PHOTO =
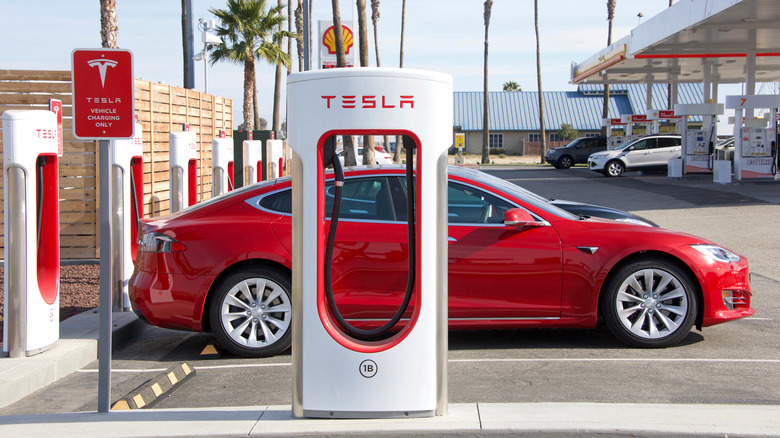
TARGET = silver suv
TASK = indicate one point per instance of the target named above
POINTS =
(651, 152)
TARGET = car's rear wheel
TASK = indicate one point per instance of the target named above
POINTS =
(565, 162)
(650, 304)
(614, 168)
(251, 312)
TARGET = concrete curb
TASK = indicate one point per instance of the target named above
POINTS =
(77, 347)
(146, 395)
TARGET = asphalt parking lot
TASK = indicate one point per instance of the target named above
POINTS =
(734, 363)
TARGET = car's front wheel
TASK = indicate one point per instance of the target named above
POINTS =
(251, 312)
(649, 303)
(614, 168)
(565, 162)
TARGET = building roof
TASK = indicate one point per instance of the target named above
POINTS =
(519, 110)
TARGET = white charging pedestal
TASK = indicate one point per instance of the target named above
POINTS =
(274, 155)
(334, 374)
(184, 169)
(222, 159)
(253, 161)
(127, 198)
(32, 232)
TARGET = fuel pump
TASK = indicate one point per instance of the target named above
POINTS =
(32, 232)
(127, 198)
(253, 161)
(274, 154)
(615, 132)
(184, 169)
(222, 161)
(396, 368)
(698, 148)
(755, 140)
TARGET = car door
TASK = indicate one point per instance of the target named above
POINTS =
(499, 272)
(668, 148)
(639, 153)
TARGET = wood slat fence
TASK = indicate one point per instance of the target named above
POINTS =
(161, 109)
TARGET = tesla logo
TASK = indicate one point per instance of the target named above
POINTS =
(354, 101)
(102, 65)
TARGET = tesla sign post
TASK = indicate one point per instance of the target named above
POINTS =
(103, 110)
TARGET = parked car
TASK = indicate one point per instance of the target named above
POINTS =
(380, 155)
(224, 265)
(651, 152)
(724, 150)
(576, 152)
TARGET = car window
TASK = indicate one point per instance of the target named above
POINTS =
(666, 142)
(640, 145)
(652, 143)
(280, 202)
(468, 205)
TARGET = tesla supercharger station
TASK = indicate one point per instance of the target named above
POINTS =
(274, 153)
(755, 140)
(222, 160)
(184, 169)
(127, 197)
(338, 374)
(32, 232)
(253, 161)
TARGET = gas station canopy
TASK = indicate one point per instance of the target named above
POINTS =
(691, 40)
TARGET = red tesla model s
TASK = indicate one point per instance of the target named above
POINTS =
(224, 265)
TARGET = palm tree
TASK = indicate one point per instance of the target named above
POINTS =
(278, 76)
(108, 29)
(399, 141)
(539, 81)
(512, 86)
(485, 118)
(368, 140)
(375, 20)
(299, 31)
(249, 32)
(610, 17)
(341, 61)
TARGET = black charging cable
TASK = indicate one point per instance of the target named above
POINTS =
(370, 334)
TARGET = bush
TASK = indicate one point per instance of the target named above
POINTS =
(497, 151)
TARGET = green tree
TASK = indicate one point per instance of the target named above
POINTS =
(350, 158)
(567, 132)
(250, 32)
(512, 86)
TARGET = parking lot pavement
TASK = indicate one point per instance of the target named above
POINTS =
(731, 368)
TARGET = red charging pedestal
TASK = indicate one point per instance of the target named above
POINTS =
(184, 169)
(32, 232)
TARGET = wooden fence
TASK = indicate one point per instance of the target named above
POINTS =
(161, 109)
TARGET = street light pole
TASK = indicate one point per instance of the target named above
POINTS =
(209, 39)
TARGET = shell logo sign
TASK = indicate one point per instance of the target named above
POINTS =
(329, 40)
(327, 43)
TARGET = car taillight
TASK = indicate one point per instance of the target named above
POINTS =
(159, 242)
(736, 299)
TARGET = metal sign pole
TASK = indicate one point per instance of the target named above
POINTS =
(106, 280)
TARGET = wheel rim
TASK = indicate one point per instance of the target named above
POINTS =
(256, 312)
(651, 303)
(566, 162)
(614, 169)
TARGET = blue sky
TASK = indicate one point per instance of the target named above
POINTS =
(441, 35)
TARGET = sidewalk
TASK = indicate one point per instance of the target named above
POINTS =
(532, 419)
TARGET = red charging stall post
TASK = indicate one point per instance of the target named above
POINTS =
(184, 169)
(32, 232)
(127, 197)
(253, 161)
(222, 160)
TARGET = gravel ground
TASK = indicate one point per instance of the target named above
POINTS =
(79, 290)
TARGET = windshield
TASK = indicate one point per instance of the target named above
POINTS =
(511, 189)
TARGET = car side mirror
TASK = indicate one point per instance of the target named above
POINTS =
(518, 217)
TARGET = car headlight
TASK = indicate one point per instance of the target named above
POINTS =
(717, 253)
(597, 156)
(631, 220)
(159, 242)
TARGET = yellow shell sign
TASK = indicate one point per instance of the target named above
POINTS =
(329, 40)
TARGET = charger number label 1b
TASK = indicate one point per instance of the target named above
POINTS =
(368, 369)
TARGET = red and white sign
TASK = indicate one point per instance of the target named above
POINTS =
(616, 122)
(103, 106)
(639, 118)
(667, 115)
(55, 106)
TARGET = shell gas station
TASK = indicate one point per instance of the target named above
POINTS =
(710, 42)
